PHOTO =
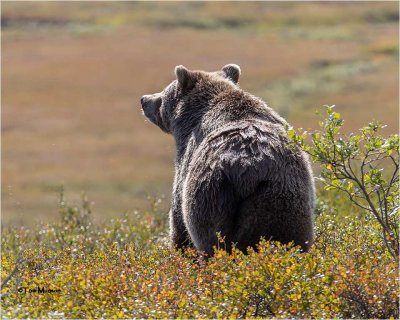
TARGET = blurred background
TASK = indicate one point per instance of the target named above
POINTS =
(73, 72)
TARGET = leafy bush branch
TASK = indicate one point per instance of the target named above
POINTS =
(365, 166)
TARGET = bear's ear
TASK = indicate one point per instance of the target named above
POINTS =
(232, 72)
(184, 76)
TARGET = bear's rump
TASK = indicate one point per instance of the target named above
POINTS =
(283, 216)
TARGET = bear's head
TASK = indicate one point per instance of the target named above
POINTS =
(189, 94)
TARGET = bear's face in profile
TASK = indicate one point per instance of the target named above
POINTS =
(164, 107)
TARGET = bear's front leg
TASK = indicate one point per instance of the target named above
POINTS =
(178, 233)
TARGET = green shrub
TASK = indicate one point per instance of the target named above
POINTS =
(364, 166)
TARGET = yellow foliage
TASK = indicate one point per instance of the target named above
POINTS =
(122, 270)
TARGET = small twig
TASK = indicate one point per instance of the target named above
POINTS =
(15, 270)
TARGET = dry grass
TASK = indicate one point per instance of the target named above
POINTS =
(73, 73)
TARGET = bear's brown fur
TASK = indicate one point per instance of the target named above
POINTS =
(236, 172)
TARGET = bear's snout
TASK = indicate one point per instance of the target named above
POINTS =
(151, 106)
(143, 100)
(147, 104)
(150, 100)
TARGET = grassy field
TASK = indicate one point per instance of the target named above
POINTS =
(73, 73)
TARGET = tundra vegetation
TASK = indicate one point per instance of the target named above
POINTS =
(123, 268)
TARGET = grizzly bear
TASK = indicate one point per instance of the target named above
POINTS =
(237, 174)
